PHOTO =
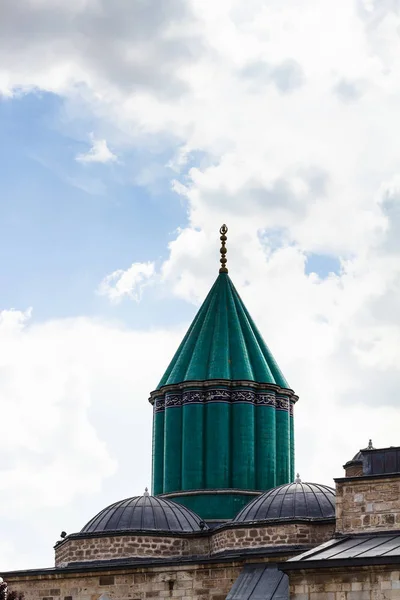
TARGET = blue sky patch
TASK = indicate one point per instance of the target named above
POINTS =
(322, 264)
(65, 225)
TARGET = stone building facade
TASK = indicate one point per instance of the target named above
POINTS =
(196, 563)
(346, 583)
(197, 582)
(370, 503)
(362, 560)
(352, 553)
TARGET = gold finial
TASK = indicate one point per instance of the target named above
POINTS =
(223, 231)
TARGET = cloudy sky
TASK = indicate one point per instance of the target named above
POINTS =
(129, 132)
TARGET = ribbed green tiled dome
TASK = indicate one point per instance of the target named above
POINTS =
(223, 425)
(223, 343)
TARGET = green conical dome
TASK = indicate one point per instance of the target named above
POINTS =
(223, 412)
(223, 343)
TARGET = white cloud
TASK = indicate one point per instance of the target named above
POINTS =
(13, 320)
(45, 400)
(301, 145)
(130, 282)
(305, 163)
(76, 425)
(98, 153)
(108, 48)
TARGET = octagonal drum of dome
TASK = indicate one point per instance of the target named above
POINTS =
(306, 501)
(145, 513)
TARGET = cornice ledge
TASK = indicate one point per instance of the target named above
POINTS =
(225, 383)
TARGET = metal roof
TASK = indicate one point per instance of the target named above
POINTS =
(223, 342)
(381, 461)
(291, 501)
(145, 513)
(357, 549)
(118, 564)
(260, 582)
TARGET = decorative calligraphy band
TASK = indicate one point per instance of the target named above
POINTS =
(171, 399)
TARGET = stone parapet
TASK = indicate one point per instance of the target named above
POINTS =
(369, 503)
(267, 534)
(82, 549)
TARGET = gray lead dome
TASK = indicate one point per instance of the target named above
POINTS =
(145, 513)
(309, 501)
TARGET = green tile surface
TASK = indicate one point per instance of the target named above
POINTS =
(223, 343)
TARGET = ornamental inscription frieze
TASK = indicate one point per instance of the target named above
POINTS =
(159, 404)
(194, 397)
(266, 399)
(201, 396)
(173, 400)
(243, 396)
(282, 403)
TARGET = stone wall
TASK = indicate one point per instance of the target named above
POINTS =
(367, 583)
(204, 545)
(197, 582)
(367, 504)
(268, 535)
(125, 546)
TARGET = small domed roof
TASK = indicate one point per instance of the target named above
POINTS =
(145, 513)
(358, 458)
(291, 501)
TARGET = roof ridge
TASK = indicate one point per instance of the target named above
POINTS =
(285, 493)
(324, 489)
(270, 360)
(203, 339)
(273, 492)
(177, 509)
(221, 331)
(186, 339)
(235, 330)
(248, 332)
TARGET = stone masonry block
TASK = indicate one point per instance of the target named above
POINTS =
(359, 595)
